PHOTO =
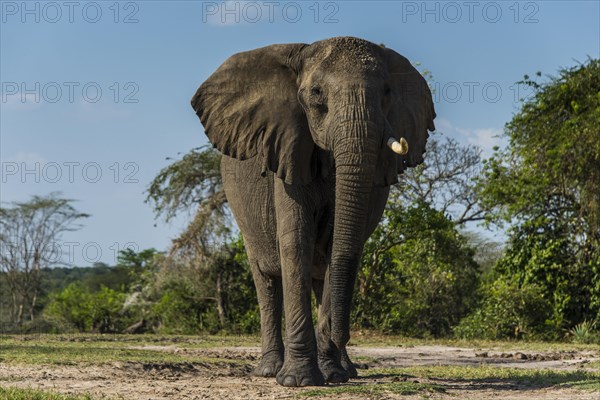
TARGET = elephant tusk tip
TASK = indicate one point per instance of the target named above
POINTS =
(398, 147)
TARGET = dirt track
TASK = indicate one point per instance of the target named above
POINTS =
(232, 380)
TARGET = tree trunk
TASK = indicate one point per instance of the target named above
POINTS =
(220, 302)
(20, 315)
(32, 306)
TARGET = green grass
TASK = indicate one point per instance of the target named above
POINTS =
(362, 338)
(428, 380)
(369, 339)
(32, 394)
(593, 385)
(534, 378)
(400, 388)
(53, 350)
(200, 341)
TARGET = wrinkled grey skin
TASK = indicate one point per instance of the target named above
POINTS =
(307, 174)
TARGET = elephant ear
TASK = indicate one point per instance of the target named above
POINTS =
(249, 108)
(410, 116)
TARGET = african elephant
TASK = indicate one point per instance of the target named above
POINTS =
(306, 132)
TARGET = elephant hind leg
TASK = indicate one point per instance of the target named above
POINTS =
(270, 298)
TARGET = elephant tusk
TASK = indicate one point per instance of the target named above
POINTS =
(398, 147)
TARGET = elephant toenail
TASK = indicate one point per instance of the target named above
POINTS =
(289, 381)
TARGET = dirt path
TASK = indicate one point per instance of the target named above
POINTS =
(232, 380)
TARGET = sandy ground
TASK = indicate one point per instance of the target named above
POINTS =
(229, 380)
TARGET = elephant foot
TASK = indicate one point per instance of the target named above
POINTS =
(348, 365)
(300, 373)
(269, 365)
(333, 371)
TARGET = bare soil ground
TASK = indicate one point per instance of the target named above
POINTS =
(232, 379)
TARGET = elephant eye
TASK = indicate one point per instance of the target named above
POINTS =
(387, 90)
(317, 99)
(316, 91)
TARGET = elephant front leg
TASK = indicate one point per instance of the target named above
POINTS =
(270, 298)
(300, 367)
(335, 364)
(348, 365)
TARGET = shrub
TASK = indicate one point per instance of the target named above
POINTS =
(508, 311)
(583, 333)
(214, 293)
(76, 306)
(418, 276)
(180, 310)
(73, 306)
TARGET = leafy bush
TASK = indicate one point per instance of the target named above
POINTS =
(107, 306)
(182, 309)
(86, 311)
(73, 305)
(211, 294)
(418, 275)
(508, 311)
(541, 253)
(244, 313)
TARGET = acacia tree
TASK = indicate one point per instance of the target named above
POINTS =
(545, 186)
(206, 249)
(29, 235)
(193, 183)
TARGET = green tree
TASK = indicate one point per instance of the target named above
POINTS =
(137, 268)
(139, 272)
(545, 186)
(29, 235)
(193, 182)
(418, 275)
(215, 295)
(205, 269)
(129, 258)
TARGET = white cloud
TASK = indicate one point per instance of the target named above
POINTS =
(20, 101)
(484, 138)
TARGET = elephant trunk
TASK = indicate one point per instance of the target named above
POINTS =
(355, 161)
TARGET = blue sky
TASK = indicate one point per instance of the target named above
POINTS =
(95, 95)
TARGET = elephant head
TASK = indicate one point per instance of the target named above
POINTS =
(344, 95)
